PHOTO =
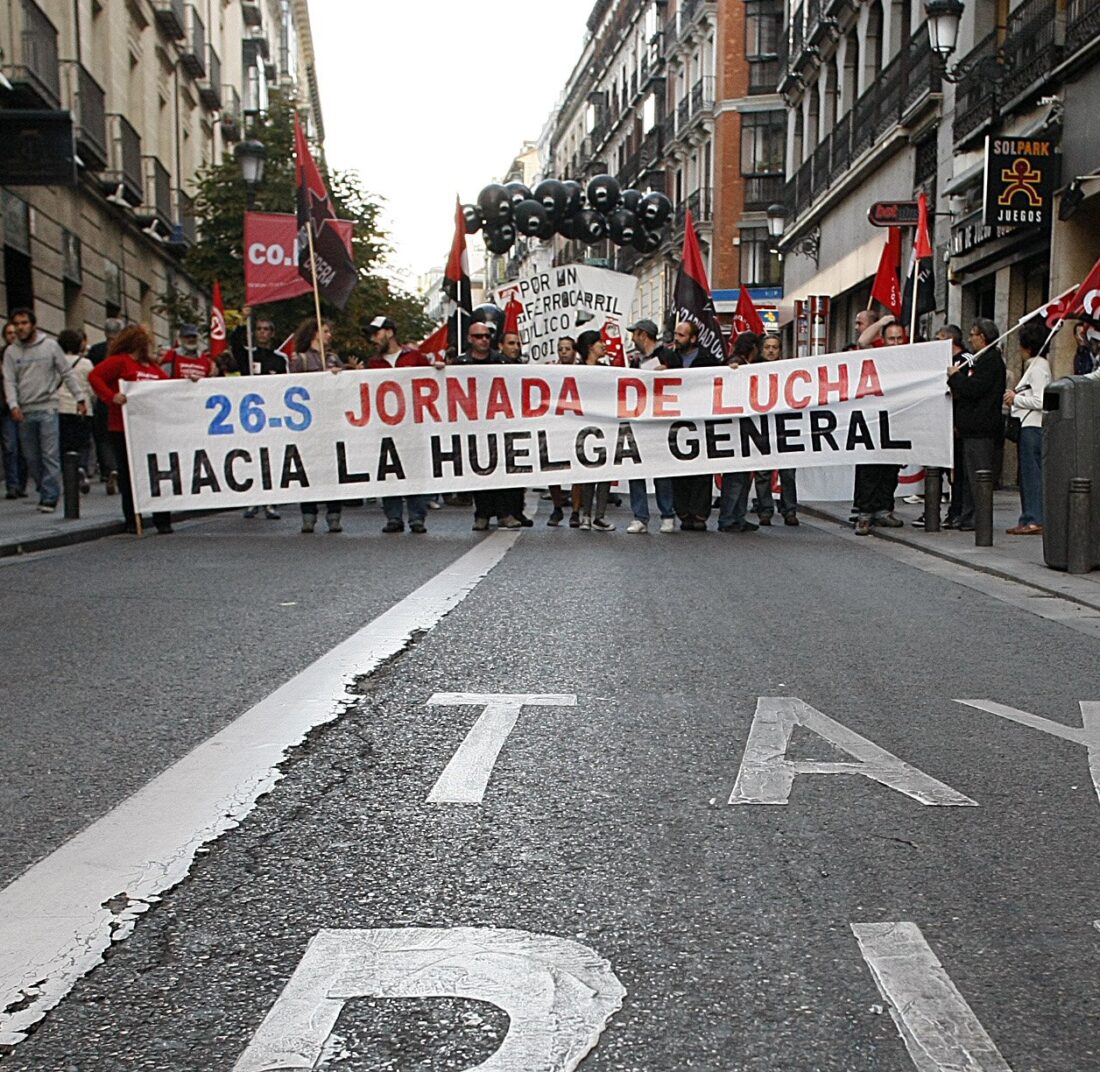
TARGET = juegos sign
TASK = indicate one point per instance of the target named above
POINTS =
(1020, 176)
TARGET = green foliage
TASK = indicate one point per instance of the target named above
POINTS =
(221, 200)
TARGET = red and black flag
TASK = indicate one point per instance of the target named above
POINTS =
(335, 275)
(456, 286)
(692, 300)
(921, 279)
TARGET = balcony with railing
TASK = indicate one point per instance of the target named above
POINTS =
(210, 88)
(975, 94)
(124, 177)
(33, 67)
(842, 147)
(1082, 24)
(650, 152)
(822, 166)
(193, 51)
(1030, 50)
(232, 117)
(700, 203)
(668, 128)
(171, 18)
(183, 228)
(762, 191)
(87, 102)
(683, 114)
(702, 97)
(921, 72)
(157, 202)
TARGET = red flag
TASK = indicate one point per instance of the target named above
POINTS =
(745, 317)
(512, 313)
(271, 259)
(286, 347)
(919, 293)
(923, 244)
(612, 337)
(1085, 304)
(336, 273)
(456, 284)
(691, 297)
(434, 346)
(218, 340)
(886, 288)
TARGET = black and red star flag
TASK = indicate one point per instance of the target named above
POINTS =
(886, 289)
(218, 339)
(745, 316)
(434, 347)
(456, 285)
(921, 279)
(336, 275)
(691, 297)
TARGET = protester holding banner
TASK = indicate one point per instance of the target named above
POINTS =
(185, 361)
(591, 349)
(129, 358)
(733, 500)
(771, 350)
(1026, 400)
(691, 495)
(652, 356)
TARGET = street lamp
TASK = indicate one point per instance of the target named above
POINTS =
(944, 17)
(809, 245)
(777, 220)
(251, 155)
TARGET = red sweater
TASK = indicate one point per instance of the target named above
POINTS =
(105, 378)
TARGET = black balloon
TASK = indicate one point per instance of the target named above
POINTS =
(529, 217)
(546, 231)
(517, 192)
(574, 196)
(500, 238)
(472, 218)
(646, 240)
(590, 225)
(567, 226)
(489, 314)
(630, 199)
(654, 209)
(603, 192)
(553, 197)
(622, 225)
(495, 204)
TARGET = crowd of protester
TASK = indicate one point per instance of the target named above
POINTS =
(63, 396)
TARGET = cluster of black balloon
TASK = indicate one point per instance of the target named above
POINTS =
(590, 214)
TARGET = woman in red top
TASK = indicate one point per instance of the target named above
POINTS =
(130, 357)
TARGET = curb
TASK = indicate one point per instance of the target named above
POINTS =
(980, 567)
(85, 534)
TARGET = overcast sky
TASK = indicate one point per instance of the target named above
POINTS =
(427, 99)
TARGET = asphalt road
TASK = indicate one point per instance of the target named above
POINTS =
(730, 927)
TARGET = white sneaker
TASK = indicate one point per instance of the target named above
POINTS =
(668, 524)
(637, 526)
(586, 523)
(913, 500)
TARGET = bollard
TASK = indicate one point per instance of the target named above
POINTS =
(983, 508)
(933, 489)
(1077, 528)
(70, 482)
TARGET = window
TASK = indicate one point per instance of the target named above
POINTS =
(763, 19)
(112, 289)
(760, 267)
(649, 113)
(763, 141)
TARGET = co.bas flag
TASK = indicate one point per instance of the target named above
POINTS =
(692, 299)
(317, 437)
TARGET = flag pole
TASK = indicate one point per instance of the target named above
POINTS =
(248, 341)
(916, 299)
(316, 292)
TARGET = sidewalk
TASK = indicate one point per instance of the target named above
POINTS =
(1017, 558)
(24, 529)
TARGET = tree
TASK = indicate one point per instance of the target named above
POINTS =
(221, 201)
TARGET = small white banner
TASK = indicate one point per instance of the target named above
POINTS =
(324, 436)
(566, 301)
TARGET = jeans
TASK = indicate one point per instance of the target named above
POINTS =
(594, 499)
(639, 500)
(392, 507)
(1031, 476)
(40, 438)
(15, 465)
(788, 493)
(734, 499)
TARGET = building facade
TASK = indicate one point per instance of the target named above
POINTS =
(157, 89)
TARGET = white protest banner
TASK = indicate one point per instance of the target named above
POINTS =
(566, 301)
(325, 436)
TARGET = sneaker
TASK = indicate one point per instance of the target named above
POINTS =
(112, 482)
(85, 487)
(481, 524)
(950, 523)
(863, 526)
(435, 504)
(417, 527)
(600, 525)
(251, 512)
(525, 521)
(509, 522)
(668, 524)
(747, 526)
(164, 530)
(913, 500)
(766, 521)
(271, 513)
(309, 522)
(555, 518)
(918, 523)
(47, 508)
(12, 494)
(393, 525)
(574, 520)
(889, 521)
(637, 526)
(791, 519)
(334, 523)
(585, 523)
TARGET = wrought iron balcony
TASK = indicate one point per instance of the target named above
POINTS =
(171, 18)
(702, 97)
(87, 102)
(700, 203)
(1030, 49)
(157, 202)
(210, 89)
(650, 152)
(762, 191)
(683, 114)
(33, 67)
(1082, 24)
(921, 71)
(975, 94)
(124, 178)
(822, 165)
(231, 117)
(193, 54)
(842, 147)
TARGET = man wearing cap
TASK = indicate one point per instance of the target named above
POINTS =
(652, 356)
(390, 354)
(184, 361)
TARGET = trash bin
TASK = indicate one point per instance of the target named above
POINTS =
(1071, 448)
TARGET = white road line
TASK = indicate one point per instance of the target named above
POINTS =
(767, 775)
(1088, 736)
(938, 1027)
(465, 779)
(558, 994)
(57, 918)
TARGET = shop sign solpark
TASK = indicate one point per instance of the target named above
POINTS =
(1020, 177)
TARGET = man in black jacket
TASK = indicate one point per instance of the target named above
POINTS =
(977, 394)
